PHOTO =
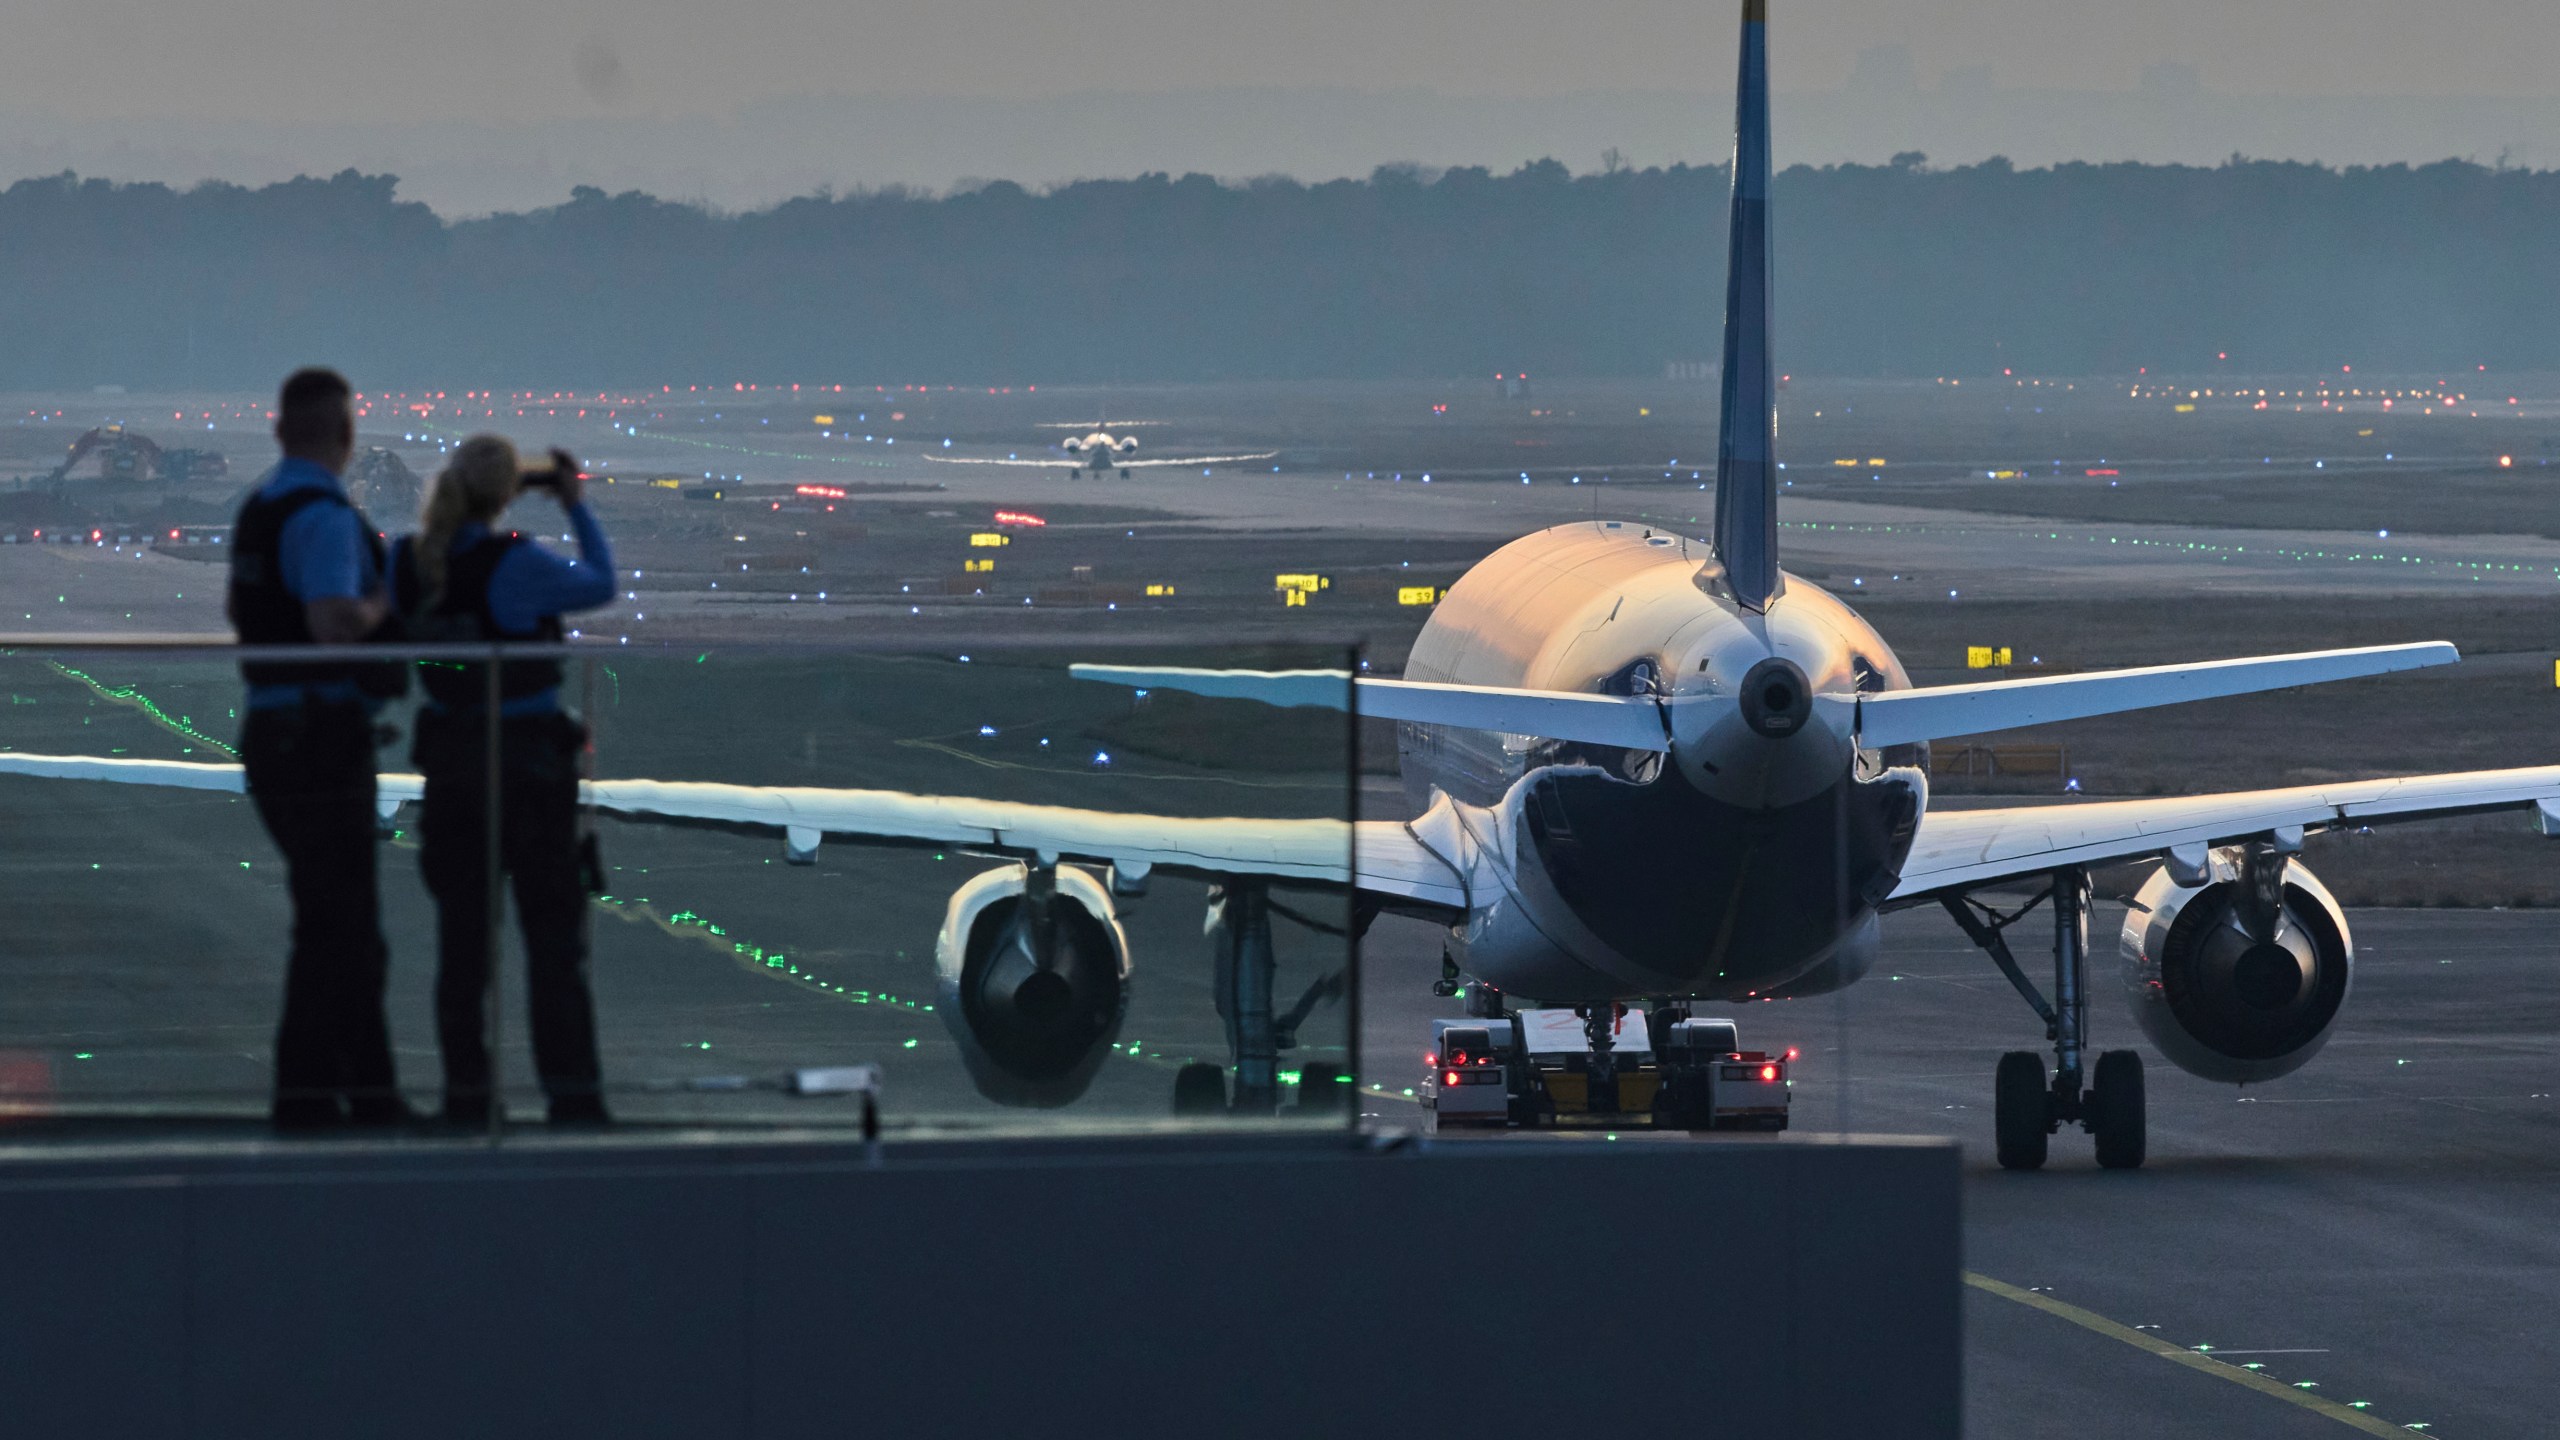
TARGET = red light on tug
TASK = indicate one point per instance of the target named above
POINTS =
(1768, 1072)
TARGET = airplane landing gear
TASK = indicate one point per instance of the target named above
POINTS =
(1240, 949)
(2027, 1106)
(1244, 967)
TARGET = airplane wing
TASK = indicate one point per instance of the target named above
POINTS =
(1194, 460)
(1961, 849)
(1384, 858)
(1054, 462)
(1062, 462)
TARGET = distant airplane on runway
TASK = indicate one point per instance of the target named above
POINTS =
(1647, 771)
(1100, 451)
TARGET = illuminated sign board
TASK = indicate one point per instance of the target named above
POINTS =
(822, 419)
(1159, 591)
(980, 567)
(1985, 657)
(988, 540)
(1300, 584)
(1417, 595)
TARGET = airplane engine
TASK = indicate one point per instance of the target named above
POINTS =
(2237, 979)
(1033, 974)
(1127, 444)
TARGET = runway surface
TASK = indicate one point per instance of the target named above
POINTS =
(2377, 1230)
(2382, 1225)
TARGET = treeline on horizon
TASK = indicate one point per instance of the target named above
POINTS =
(1883, 270)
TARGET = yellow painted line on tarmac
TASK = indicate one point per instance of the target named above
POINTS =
(2193, 1360)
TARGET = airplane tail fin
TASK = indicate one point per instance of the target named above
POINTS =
(1746, 538)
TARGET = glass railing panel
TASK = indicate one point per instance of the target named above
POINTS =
(732, 952)
(781, 834)
(143, 970)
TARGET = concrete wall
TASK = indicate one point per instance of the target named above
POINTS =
(1227, 1287)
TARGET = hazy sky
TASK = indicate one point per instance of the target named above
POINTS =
(512, 61)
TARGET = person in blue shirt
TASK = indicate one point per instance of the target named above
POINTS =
(306, 570)
(460, 579)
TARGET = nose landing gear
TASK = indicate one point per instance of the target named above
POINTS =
(2028, 1104)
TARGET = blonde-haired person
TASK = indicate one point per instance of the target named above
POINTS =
(460, 578)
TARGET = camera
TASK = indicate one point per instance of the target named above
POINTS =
(547, 477)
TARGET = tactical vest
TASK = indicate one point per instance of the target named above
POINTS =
(265, 612)
(461, 615)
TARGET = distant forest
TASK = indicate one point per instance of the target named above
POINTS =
(1896, 269)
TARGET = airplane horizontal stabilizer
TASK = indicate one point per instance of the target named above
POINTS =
(1900, 717)
(1631, 722)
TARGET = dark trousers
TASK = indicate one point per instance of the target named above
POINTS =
(539, 848)
(310, 771)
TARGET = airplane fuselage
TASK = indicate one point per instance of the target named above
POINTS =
(1100, 451)
(1747, 861)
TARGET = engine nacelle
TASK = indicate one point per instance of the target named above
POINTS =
(1127, 444)
(2219, 1001)
(1033, 974)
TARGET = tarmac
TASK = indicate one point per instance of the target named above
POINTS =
(2381, 1225)
(2375, 1232)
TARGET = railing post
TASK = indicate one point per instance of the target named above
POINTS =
(494, 912)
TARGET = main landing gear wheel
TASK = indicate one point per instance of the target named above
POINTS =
(2116, 1112)
(2107, 1102)
(1200, 1088)
(2022, 1113)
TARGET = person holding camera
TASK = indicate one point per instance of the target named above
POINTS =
(459, 579)
(306, 570)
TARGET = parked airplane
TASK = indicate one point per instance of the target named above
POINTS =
(1100, 451)
(1649, 771)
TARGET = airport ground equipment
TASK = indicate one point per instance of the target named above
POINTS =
(1604, 1065)
(182, 465)
(121, 455)
(382, 484)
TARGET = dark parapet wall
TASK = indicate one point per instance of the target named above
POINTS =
(1893, 270)
(1189, 1286)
